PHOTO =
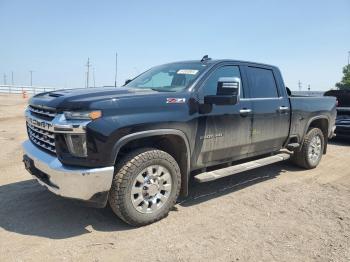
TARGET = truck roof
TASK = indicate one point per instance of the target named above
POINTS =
(216, 61)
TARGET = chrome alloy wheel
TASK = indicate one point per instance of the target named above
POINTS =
(151, 189)
(315, 148)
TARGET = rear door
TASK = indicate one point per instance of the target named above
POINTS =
(270, 108)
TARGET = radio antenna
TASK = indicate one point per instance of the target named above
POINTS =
(205, 58)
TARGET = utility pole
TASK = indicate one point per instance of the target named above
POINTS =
(299, 85)
(31, 77)
(93, 75)
(116, 69)
(87, 72)
(12, 81)
(5, 79)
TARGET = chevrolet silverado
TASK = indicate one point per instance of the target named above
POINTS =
(137, 146)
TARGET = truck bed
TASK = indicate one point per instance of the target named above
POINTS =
(305, 109)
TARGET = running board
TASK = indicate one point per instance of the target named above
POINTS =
(228, 171)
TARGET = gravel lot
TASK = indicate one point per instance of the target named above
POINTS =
(275, 213)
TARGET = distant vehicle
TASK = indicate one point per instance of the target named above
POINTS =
(137, 146)
(343, 111)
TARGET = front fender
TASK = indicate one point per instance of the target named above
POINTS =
(158, 132)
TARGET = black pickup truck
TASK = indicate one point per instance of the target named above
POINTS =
(343, 112)
(137, 146)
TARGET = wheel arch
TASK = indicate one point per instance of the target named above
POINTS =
(172, 141)
(321, 122)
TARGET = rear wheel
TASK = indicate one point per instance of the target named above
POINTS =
(145, 187)
(309, 156)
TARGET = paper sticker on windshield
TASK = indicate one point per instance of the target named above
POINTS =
(187, 72)
(175, 100)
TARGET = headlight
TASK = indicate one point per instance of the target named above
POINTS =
(76, 144)
(83, 115)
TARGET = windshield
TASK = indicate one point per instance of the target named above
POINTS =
(168, 78)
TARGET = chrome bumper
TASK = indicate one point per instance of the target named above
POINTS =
(87, 184)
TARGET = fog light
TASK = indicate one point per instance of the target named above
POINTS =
(76, 144)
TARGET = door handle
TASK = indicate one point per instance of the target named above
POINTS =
(283, 109)
(245, 111)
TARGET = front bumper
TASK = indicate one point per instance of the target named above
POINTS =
(87, 184)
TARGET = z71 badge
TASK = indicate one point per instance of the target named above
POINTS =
(175, 100)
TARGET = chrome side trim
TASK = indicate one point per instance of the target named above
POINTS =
(262, 98)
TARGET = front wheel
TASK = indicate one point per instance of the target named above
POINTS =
(310, 154)
(145, 187)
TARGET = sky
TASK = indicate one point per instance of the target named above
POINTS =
(308, 40)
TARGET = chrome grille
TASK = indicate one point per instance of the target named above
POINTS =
(42, 137)
(43, 112)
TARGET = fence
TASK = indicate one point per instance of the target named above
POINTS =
(308, 93)
(10, 89)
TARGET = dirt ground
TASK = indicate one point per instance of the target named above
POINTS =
(275, 213)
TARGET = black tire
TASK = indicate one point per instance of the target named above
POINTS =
(301, 156)
(127, 170)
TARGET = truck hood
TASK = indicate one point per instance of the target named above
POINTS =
(82, 99)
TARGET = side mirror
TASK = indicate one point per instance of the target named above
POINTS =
(227, 92)
(127, 81)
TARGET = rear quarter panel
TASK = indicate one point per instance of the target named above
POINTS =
(307, 109)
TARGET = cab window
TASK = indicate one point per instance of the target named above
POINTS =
(210, 85)
(262, 83)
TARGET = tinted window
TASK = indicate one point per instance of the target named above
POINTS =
(261, 83)
(210, 86)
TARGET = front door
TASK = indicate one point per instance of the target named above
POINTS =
(224, 132)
